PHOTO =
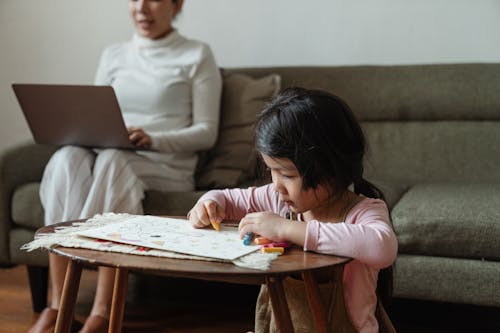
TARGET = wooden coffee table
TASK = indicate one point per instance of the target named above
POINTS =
(294, 261)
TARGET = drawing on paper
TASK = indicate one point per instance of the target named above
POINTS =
(174, 235)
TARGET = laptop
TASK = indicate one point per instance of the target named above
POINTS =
(79, 115)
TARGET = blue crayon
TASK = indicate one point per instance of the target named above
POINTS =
(248, 238)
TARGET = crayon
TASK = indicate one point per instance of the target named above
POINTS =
(278, 244)
(215, 225)
(248, 238)
(262, 240)
(276, 249)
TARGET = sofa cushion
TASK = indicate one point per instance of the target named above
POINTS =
(455, 280)
(232, 160)
(450, 219)
(27, 210)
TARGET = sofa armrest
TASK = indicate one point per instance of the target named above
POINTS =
(18, 165)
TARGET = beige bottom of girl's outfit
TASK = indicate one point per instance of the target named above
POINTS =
(300, 313)
(332, 294)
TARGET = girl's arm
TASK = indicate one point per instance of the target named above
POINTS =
(365, 236)
(274, 227)
(233, 204)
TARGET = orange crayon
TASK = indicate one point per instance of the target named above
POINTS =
(262, 241)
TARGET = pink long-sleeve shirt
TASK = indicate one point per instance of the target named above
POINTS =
(366, 236)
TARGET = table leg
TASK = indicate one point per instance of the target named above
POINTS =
(118, 301)
(279, 304)
(315, 302)
(68, 297)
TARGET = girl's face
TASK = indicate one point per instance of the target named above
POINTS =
(288, 183)
(153, 18)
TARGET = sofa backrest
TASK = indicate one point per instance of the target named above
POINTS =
(422, 122)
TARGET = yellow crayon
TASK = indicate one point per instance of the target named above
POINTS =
(215, 225)
(280, 250)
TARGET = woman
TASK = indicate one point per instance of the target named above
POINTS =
(169, 90)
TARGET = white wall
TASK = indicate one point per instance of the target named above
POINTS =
(331, 32)
(59, 41)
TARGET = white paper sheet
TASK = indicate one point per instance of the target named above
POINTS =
(174, 235)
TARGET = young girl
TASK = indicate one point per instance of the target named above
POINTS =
(313, 146)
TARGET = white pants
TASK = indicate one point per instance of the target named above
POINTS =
(78, 183)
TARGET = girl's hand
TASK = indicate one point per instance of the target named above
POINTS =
(265, 224)
(205, 212)
(139, 138)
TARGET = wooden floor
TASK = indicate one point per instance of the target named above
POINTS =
(222, 311)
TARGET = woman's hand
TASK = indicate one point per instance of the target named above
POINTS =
(265, 224)
(139, 138)
(205, 212)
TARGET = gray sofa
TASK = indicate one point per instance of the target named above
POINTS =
(433, 147)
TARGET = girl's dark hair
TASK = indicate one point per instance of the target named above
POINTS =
(319, 133)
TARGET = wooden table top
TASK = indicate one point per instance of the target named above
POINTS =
(294, 261)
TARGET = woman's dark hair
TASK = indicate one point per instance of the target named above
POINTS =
(319, 133)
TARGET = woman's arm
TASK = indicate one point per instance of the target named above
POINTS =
(206, 95)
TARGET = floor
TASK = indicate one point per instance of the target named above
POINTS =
(203, 307)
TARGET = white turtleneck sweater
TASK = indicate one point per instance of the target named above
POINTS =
(170, 88)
